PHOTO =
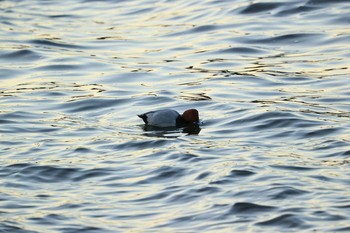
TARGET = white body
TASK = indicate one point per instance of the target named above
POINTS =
(162, 118)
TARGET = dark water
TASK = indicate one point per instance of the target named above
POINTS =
(271, 82)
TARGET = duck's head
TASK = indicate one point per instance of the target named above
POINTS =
(191, 115)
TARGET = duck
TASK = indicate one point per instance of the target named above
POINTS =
(170, 118)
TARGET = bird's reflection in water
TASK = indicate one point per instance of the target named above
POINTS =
(170, 132)
(192, 129)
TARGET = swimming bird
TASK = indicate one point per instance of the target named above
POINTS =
(170, 118)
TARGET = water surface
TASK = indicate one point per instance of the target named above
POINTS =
(271, 83)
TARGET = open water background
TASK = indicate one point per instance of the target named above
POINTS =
(271, 80)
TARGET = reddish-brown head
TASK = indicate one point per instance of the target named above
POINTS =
(191, 115)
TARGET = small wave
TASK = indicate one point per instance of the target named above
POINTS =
(241, 50)
(50, 219)
(62, 16)
(342, 229)
(140, 11)
(9, 74)
(293, 168)
(318, 2)
(261, 7)
(321, 132)
(21, 55)
(51, 174)
(50, 43)
(82, 228)
(249, 208)
(289, 39)
(203, 28)
(91, 104)
(141, 144)
(235, 175)
(297, 10)
(6, 121)
(240, 173)
(151, 198)
(203, 175)
(284, 192)
(341, 20)
(272, 119)
(286, 221)
(7, 226)
(191, 158)
(59, 67)
(165, 174)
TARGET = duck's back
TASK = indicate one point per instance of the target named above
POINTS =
(161, 118)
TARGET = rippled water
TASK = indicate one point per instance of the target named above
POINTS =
(271, 82)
